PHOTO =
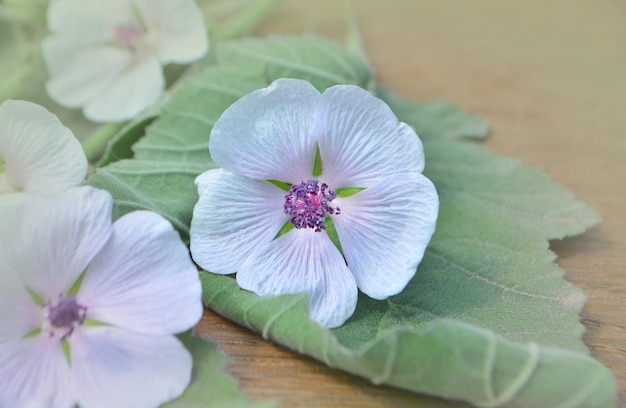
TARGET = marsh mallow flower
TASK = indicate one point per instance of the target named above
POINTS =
(37, 153)
(88, 308)
(318, 193)
(106, 57)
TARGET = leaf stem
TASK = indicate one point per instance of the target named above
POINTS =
(96, 143)
(243, 23)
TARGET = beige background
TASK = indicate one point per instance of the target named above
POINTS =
(550, 76)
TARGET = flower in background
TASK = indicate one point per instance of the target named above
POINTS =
(88, 308)
(106, 57)
(319, 193)
(37, 153)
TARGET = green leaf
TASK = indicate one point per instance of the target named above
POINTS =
(120, 146)
(438, 119)
(319, 61)
(181, 134)
(210, 386)
(444, 358)
(488, 317)
(166, 188)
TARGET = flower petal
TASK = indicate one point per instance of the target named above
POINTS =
(133, 91)
(233, 216)
(143, 279)
(266, 134)
(182, 35)
(303, 261)
(34, 373)
(361, 140)
(19, 314)
(49, 240)
(86, 21)
(81, 73)
(384, 231)
(40, 154)
(112, 367)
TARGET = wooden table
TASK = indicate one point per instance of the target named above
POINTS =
(550, 76)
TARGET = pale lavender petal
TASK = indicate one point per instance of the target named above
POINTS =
(384, 231)
(303, 261)
(34, 373)
(233, 216)
(135, 90)
(143, 278)
(181, 35)
(87, 21)
(40, 154)
(112, 367)
(19, 314)
(50, 240)
(80, 73)
(361, 140)
(266, 134)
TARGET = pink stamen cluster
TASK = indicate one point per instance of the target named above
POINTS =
(307, 204)
(64, 316)
(128, 36)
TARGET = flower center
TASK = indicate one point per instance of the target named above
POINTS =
(63, 317)
(307, 204)
(128, 36)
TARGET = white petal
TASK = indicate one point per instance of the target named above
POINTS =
(40, 154)
(116, 368)
(19, 314)
(49, 240)
(133, 91)
(181, 34)
(87, 21)
(361, 139)
(233, 216)
(34, 373)
(384, 231)
(143, 279)
(80, 73)
(303, 261)
(266, 134)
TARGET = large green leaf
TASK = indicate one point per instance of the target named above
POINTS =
(488, 317)
(210, 386)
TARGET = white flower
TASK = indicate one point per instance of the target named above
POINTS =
(106, 56)
(37, 153)
(369, 185)
(88, 308)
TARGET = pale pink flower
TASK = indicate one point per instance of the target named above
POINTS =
(89, 308)
(369, 184)
(106, 57)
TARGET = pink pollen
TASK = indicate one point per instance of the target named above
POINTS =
(307, 205)
(127, 36)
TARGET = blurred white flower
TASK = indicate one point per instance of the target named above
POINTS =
(88, 308)
(106, 56)
(300, 167)
(37, 153)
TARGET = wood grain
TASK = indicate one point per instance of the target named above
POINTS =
(551, 79)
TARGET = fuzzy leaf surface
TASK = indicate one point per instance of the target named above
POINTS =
(487, 319)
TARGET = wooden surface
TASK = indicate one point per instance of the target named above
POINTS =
(550, 76)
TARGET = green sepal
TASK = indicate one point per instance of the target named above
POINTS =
(32, 333)
(76, 286)
(66, 351)
(348, 191)
(280, 184)
(317, 165)
(36, 298)
(285, 229)
(332, 234)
